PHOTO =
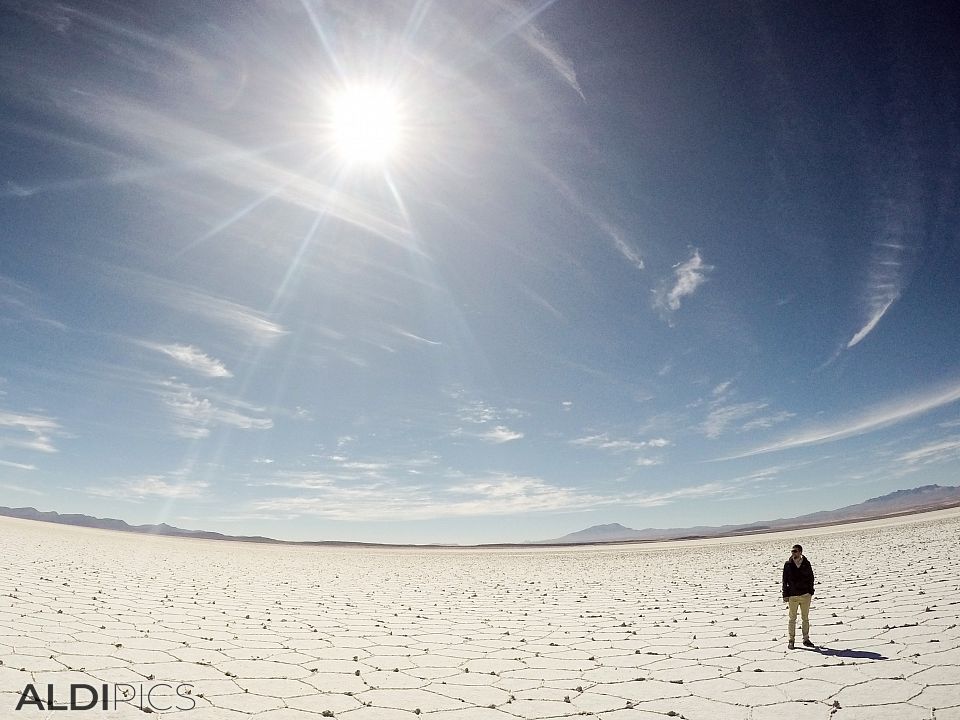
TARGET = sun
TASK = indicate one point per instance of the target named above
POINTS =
(366, 124)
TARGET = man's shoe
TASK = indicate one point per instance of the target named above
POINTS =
(790, 645)
(807, 643)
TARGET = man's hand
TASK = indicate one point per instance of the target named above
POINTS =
(786, 599)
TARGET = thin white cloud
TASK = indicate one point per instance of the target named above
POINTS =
(548, 50)
(603, 441)
(20, 303)
(687, 277)
(542, 302)
(934, 452)
(616, 234)
(17, 466)
(379, 489)
(875, 418)
(520, 19)
(417, 338)
(648, 462)
(722, 416)
(20, 489)
(490, 495)
(712, 489)
(191, 358)
(150, 486)
(501, 434)
(194, 415)
(28, 432)
(250, 323)
(767, 421)
(301, 413)
(234, 317)
(620, 242)
(898, 226)
(721, 389)
(12, 189)
(876, 314)
(477, 412)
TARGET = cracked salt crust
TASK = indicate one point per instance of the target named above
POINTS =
(626, 632)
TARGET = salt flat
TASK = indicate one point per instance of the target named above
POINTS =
(635, 632)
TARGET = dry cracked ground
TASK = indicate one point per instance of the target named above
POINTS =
(640, 632)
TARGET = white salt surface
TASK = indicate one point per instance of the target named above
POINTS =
(618, 633)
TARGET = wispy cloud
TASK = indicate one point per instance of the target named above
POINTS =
(603, 441)
(379, 489)
(740, 416)
(234, 317)
(415, 337)
(191, 358)
(712, 489)
(687, 277)
(194, 414)
(549, 51)
(500, 434)
(12, 189)
(648, 462)
(934, 452)
(250, 323)
(481, 413)
(721, 416)
(20, 489)
(616, 235)
(875, 418)
(876, 313)
(519, 20)
(150, 486)
(487, 495)
(542, 302)
(767, 421)
(899, 215)
(721, 389)
(477, 412)
(28, 432)
(20, 303)
(17, 466)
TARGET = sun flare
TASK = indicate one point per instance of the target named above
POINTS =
(366, 124)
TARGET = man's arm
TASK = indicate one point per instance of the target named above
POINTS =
(786, 584)
(813, 589)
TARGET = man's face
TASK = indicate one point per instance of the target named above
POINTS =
(795, 553)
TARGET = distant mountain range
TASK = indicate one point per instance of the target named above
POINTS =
(901, 502)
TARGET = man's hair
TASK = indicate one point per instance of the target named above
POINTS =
(797, 547)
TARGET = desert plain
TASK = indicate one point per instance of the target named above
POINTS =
(692, 630)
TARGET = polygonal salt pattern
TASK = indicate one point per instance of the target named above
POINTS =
(631, 632)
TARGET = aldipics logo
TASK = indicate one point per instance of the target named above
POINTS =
(156, 697)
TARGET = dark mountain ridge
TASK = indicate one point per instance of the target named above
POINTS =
(899, 502)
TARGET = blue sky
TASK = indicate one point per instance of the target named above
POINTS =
(662, 264)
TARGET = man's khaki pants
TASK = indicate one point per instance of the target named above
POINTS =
(802, 602)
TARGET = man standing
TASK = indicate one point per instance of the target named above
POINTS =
(797, 592)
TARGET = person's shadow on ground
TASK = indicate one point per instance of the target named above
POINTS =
(847, 653)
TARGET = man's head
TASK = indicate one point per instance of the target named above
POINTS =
(796, 551)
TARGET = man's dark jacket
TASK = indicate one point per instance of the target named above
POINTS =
(797, 580)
